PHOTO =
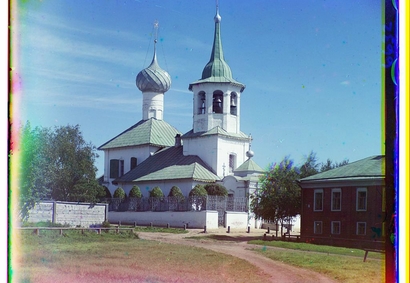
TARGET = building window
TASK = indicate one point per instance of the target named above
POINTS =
(336, 204)
(114, 168)
(121, 169)
(232, 161)
(361, 228)
(133, 163)
(361, 199)
(217, 103)
(201, 102)
(317, 227)
(318, 200)
(234, 102)
(335, 227)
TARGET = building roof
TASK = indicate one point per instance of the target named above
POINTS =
(153, 78)
(369, 168)
(249, 166)
(215, 131)
(151, 132)
(170, 164)
(217, 70)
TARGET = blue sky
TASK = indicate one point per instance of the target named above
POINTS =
(312, 69)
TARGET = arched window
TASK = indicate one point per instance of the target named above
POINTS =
(201, 102)
(217, 103)
(234, 102)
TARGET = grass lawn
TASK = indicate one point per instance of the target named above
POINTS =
(110, 257)
(342, 264)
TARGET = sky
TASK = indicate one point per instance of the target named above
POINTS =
(312, 69)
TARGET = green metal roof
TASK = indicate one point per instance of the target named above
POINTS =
(151, 131)
(217, 70)
(249, 166)
(371, 167)
(216, 131)
(169, 164)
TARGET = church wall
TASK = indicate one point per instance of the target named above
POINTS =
(124, 153)
(227, 147)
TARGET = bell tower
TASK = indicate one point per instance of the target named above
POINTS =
(216, 136)
(216, 95)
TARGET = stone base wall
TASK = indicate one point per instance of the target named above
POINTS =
(193, 219)
(71, 213)
(236, 220)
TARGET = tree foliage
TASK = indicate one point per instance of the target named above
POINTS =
(135, 192)
(279, 198)
(156, 192)
(198, 190)
(56, 164)
(176, 192)
(216, 190)
(119, 193)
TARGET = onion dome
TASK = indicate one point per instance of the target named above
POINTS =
(153, 78)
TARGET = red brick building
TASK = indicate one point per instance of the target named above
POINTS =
(345, 206)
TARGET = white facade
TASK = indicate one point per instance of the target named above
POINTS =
(152, 105)
(206, 113)
(124, 154)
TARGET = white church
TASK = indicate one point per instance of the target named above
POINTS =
(154, 153)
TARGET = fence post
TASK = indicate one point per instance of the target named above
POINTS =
(150, 224)
(264, 237)
(268, 229)
(205, 229)
(229, 229)
(249, 229)
(135, 223)
(167, 225)
(184, 226)
(119, 223)
(61, 231)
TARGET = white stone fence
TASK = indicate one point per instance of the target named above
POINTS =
(69, 213)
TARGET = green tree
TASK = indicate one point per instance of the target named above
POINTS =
(56, 164)
(34, 180)
(72, 163)
(176, 192)
(328, 165)
(135, 192)
(216, 190)
(279, 198)
(198, 196)
(310, 166)
(119, 193)
(198, 190)
(156, 192)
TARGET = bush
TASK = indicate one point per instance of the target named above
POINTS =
(216, 190)
(176, 192)
(107, 193)
(156, 192)
(135, 192)
(119, 193)
(198, 190)
(106, 224)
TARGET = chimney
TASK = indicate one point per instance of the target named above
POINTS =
(178, 140)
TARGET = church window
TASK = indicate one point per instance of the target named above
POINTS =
(217, 105)
(121, 169)
(234, 101)
(232, 161)
(133, 163)
(201, 102)
(114, 168)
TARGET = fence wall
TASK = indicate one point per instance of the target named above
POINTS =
(236, 220)
(71, 213)
(193, 219)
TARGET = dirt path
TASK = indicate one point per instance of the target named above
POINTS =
(275, 271)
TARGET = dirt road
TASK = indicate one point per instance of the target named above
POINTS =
(275, 271)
